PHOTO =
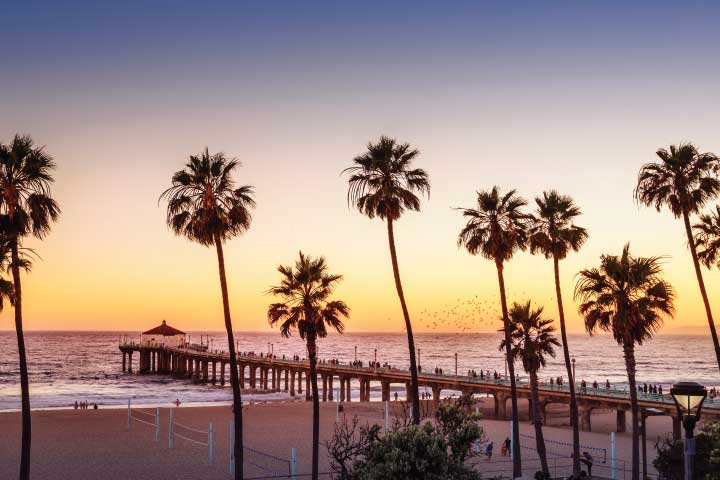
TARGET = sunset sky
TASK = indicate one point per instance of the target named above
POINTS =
(574, 96)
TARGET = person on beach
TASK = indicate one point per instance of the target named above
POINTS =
(396, 396)
(506, 446)
(607, 384)
(177, 402)
(76, 405)
(659, 389)
(488, 451)
(552, 382)
(595, 385)
(587, 459)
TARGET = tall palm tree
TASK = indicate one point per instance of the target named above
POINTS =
(496, 229)
(684, 180)
(531, 339)
(707, 238)
(28, 209)
(383, 184)
(206, 206)
(627, 297)
(306, 308)
(554, 234)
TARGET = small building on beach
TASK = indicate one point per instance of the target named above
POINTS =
(163, 335)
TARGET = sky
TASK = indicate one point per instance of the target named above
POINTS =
(573, 96)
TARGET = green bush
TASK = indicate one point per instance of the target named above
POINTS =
(669, 461)
(434, 450)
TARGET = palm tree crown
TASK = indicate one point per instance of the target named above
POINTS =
(531, 336)
(626, 296)
(684, 180)
(382, 182)
(497, 227)
(553, 232)
(204, 204)
(707, 238)
(25, 178)
(306, 308)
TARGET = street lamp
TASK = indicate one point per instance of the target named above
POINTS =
(573, 378)
(689, 397)
(355, 353)
(456, 364)
(418, 360)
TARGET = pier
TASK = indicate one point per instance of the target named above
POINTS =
(292, 376)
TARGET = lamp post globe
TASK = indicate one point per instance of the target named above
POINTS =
(689, 398)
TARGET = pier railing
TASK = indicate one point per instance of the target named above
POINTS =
(395, 374)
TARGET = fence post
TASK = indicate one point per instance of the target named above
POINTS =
(232, 447)
(170, 430)
(210, 443)
(612, 454)
(386, 415)
(128, 422)
(157, 424)
(293, 464)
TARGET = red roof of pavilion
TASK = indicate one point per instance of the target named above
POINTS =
(165, 330)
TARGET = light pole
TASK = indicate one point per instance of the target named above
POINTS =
(456, 364)
(689, 397)
(419, 358)
(375, 362)
(573, 378)
(355, 353)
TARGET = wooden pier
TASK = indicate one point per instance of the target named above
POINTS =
(292, 376)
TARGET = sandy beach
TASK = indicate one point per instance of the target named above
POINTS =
(70, 444)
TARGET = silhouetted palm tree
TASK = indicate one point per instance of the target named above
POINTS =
(683, 181)
(531, 339)
(206, 206)
(27, 208)
(307, 309)
(495, 229)
(627, 297)
(383, 184)
(707, 238)
(554, 234)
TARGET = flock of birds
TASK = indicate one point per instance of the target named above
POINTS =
(466, 314)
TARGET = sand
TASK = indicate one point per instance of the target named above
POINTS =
(89, 444)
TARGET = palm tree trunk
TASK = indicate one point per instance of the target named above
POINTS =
(312, 356)
(629, 351)
(537, 422)
(701, 283)
(24, 381)
(414, 397)
(517, 462)
(234, 380)
(568, 367)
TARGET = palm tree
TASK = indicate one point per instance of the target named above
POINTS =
(707, 238)
(495, 230)
(554, 234)
(306, 307)
(627, 297)
(383, 184)
(531, 339)
(27, 208)
(206, 206)
(684, 181)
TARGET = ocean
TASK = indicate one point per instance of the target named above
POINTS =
(69, 366)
